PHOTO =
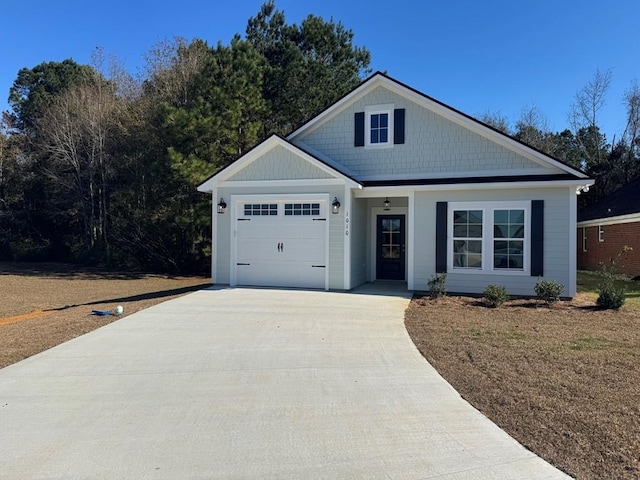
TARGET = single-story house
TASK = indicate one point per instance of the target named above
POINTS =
(604, 229)
(388, 183)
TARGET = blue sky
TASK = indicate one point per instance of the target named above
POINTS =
(475, 55)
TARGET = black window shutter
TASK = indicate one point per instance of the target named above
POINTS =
(537, 237)
(441, 237)
(358, 138)
(398, 126)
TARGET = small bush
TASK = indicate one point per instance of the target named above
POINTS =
(549, 291)
(495, 295)
(437, 286)
(610, 296)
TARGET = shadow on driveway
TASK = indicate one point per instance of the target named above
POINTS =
(136, 298)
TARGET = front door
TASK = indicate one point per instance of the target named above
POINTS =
(390, 247)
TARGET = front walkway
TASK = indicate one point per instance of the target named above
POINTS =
(249, 383)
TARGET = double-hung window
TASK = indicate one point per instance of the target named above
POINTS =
(379, 126)
(489, 237)
(467, 238)
(379, 131)
(508, 239)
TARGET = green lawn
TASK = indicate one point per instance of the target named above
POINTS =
(588, 284)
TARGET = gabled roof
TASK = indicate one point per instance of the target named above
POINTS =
(262, 148)
(624, 201)
(450, 113)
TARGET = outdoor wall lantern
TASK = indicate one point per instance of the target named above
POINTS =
(386, 204)
(222, 205)
(335, 206)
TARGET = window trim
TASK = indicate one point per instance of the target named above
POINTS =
(600, 233)
(488, 239)
(376, 110)
(584, 239)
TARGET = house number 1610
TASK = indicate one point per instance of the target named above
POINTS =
(346, 223)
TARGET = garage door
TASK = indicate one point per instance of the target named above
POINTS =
(281, 244)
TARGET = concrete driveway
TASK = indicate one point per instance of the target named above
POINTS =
(249, 383)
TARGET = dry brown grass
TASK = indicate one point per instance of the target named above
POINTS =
(563, 380)
(43, 305)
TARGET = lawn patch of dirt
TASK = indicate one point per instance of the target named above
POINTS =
(563, 380)
(46, 304)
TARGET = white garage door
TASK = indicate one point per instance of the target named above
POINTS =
(281, 244)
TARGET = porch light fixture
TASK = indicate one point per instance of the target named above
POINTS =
(386, 205)
(335, 206)
(222, 205)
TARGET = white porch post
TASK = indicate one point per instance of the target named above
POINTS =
(214, 230)
(410, 240)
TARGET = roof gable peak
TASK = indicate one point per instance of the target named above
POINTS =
(382, 79)
(259, 151)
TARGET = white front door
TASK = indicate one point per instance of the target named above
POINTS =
(281, 243)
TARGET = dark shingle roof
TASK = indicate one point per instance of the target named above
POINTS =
(623, 201)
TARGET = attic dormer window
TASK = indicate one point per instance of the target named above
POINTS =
(379, 131)
(379, 126)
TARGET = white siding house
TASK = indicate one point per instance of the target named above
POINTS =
(390, 184)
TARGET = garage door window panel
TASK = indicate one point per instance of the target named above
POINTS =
(302, 209)
(260, 209)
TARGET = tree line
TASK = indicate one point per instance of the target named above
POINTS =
(612, 163)
(100, 167)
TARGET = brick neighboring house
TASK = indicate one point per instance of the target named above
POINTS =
(606, 227)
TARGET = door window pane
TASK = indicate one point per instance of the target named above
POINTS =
(390, 238)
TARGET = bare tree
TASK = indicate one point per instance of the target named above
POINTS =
(632, 130)
(76, 130)
(496, 120)
(172, 65)
(532, 128)
(583, 116)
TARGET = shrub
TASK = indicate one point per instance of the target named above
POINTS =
(437, 286)
(610, 296)
(549, 291)
(495, 295)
